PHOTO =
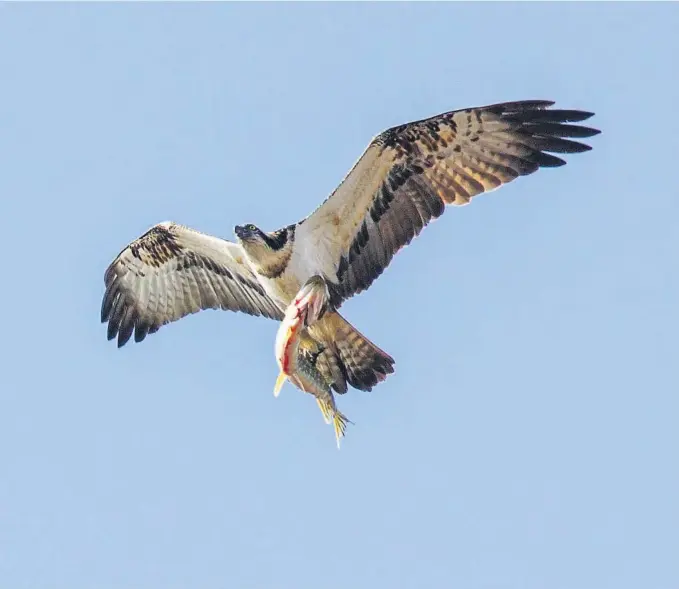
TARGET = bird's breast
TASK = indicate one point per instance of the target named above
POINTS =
(283, 288)
(303, 263)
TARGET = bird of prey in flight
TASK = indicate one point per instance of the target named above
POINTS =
(404, 179)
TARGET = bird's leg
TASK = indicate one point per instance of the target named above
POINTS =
(312, 299)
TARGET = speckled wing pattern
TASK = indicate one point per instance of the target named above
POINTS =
(408, 174)
(172, 271)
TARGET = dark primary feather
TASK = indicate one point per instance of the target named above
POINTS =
(409, 174)
(172, 271)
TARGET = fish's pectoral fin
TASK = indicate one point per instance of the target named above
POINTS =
(280, 381)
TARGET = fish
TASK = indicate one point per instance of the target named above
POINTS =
(308, 306)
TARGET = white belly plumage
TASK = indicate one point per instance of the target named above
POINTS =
(281, 289)
(303, 263)
(301, 267)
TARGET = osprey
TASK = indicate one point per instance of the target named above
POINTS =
(404, 179)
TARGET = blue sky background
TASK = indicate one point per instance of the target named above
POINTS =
(528, 438)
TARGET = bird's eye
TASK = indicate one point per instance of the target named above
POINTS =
(252, 228)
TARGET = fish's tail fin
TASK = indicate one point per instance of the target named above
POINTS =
(339, 422)
(326, 410)
(337, 418)
(349, 356)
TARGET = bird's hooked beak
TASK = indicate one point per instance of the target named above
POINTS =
(242, 232)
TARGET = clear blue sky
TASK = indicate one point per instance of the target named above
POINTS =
(528, 439)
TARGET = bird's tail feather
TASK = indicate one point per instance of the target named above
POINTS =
(349, 357)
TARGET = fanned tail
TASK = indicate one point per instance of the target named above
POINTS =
(348, 357)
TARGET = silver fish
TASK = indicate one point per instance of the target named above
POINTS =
(308, 306)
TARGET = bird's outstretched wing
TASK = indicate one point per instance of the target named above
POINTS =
(409, 173)
(172, 271)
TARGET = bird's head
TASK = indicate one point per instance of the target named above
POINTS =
(268, 252)
(249, 233)
(252, 236)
